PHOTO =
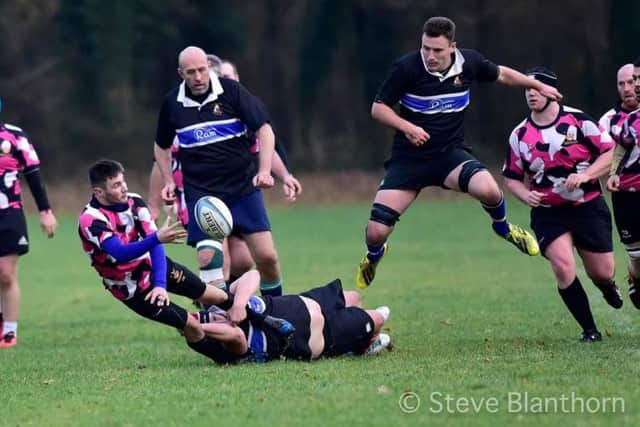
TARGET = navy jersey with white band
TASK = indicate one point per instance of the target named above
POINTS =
(213, 137)
(433, 101)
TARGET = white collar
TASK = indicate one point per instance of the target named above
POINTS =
(454, 70)
(216, 90)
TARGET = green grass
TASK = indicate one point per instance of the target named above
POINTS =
(471, 318)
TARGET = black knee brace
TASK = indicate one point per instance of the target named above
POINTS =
(469, 169)
(384, 215)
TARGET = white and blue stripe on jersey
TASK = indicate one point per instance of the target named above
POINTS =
(211, 132)
(444, 103)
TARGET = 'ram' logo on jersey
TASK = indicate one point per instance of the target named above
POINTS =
(217, 110)
(443, 103)
(208, 133)
(457, 82)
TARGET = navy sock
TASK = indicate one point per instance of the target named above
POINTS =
(498, 214)
(374, 252)
(577, 302)
(271, 288)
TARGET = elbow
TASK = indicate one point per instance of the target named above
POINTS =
(375, 110)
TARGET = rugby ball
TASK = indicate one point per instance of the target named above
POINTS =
(213, 217)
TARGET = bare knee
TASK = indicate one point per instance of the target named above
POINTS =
(484, 188)
(267, 258)
(564, 271)
(602, 271)
(377, 233)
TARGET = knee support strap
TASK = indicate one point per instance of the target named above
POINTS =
(213, 270)
(384, 215)
(469, 169)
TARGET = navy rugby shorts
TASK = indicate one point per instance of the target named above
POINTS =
(249, 216)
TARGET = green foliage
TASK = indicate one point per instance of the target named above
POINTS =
(471, 317)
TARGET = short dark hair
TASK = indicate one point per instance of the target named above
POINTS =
(102, 170)
(636, 62)
(437, 26)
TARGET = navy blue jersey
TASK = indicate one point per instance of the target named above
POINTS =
(433, 101)
(214, 138)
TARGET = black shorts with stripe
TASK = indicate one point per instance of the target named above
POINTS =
(406, 173)
(14, 239)
(588, 223)
(626, 205)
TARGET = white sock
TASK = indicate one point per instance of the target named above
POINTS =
(10, 327)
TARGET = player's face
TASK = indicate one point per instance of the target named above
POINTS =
(436, 52)
(626, 89)
(195, 72)
(535, 100)
(115, 190)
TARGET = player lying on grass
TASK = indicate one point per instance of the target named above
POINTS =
(125, 247)
(327, 320)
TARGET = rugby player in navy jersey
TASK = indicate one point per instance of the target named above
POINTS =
(212, 119)
(432, 88)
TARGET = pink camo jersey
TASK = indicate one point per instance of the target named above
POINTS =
(613, 121)
(132, 223)
(548, 155)
(629, 169)
(16, 155)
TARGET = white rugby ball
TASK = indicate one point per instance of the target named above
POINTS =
(213, 217)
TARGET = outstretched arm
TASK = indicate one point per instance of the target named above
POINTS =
(510, 77)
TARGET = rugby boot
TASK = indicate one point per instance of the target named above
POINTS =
(381, 342)
(611, 294)
(522, 240)
(591, 336)
(367, 270)
(8, 340)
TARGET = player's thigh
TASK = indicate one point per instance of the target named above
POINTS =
(598, 265)
(398, 200)
(316, 327)
(261, 246)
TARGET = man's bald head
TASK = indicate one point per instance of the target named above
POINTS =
(193, 67)
(625, 86)
(190, 54)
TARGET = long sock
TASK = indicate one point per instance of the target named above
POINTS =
(10, 327)
(271, 288)
(577, 302)
(374, 252)
(498, 214)
(211, 349)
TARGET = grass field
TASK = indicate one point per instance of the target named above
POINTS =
(471, 319)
